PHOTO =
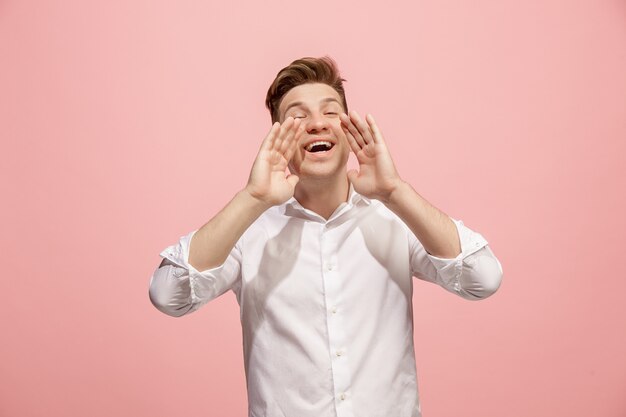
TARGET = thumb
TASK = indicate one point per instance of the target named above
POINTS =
(352, 175)
(293, 180)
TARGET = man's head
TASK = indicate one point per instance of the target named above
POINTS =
(310, 89)
(303, 71)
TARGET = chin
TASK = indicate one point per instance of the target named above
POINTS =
(321, 173)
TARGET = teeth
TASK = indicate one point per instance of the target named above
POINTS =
(321, 142)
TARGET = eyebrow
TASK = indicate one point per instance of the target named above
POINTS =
(299, 103)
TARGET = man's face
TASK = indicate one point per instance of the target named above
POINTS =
(322, 150)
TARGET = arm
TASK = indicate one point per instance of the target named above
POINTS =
(434, 229)
(377, 178)
(438, 234)
(267, 186)
(474, 274)
(178, 287)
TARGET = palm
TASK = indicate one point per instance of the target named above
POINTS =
(377, 175)
(268, 181)
(268, 177)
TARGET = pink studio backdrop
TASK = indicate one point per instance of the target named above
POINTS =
(125, 125)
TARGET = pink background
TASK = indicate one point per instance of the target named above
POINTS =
(125, 125)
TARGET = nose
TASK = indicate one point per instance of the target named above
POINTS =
(316, 123)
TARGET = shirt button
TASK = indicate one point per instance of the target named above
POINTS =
(342, 396)
(339, 353)
(329, 267)
(334, 310)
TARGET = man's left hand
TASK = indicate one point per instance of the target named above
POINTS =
(377, 176)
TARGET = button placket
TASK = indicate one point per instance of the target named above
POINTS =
(337, 343)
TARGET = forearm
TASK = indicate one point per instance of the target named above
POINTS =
(433, 228)
(212, 243)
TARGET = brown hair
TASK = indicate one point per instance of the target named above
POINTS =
(303, 71)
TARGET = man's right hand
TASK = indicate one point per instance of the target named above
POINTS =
(268, 182)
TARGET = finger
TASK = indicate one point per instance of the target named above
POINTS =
(351, 141)
(377, 134)
(294, 144)
(284, 129)
(347, 122)
(266, 145)
(290, 137)
(363, 127)
(353, 175)
(342, 133)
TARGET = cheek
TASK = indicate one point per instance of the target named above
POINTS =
(336, 122)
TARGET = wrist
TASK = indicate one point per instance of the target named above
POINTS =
(253, 201)
(397, 194)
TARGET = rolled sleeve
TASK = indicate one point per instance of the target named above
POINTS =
(177, 288)
(475, 273)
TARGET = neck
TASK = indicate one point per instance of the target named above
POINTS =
(323, 196)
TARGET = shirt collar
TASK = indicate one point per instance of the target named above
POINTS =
(353, 198)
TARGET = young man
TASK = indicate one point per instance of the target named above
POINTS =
(321, 260)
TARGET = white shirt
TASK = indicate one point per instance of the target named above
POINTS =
(326, 305)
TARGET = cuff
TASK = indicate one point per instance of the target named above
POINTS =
(179, 254)
(470, 243)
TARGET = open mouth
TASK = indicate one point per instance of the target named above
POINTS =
(319, 146)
